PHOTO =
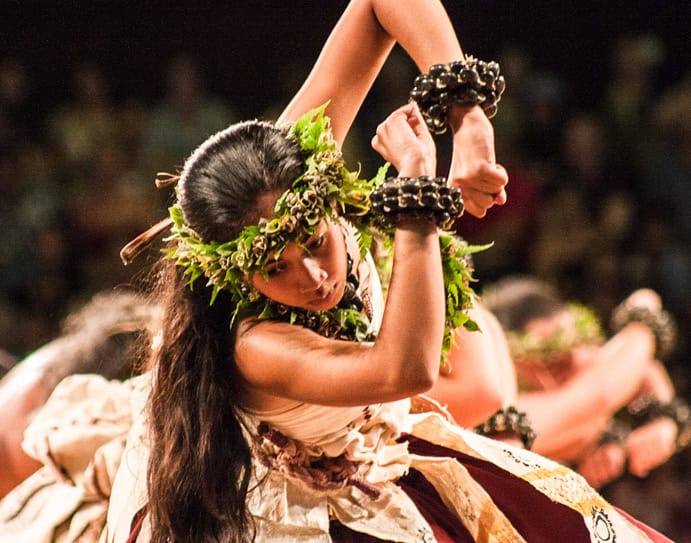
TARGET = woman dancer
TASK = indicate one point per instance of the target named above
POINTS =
(565, 373)
(280, 393)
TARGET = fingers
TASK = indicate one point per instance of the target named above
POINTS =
(477, 202)
(639, 470)
(501, 176)
(494, 177)
(500, 198)
(375, 144)
(651, 445)
(408, 114)
(604, 464)
(483, 187)
(403, 140)
(417, 122)
(390, 127)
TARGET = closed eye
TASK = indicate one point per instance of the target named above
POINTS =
(275, 268)
(316, 241)
(312, 244)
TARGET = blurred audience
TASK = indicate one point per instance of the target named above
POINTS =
(184, 117)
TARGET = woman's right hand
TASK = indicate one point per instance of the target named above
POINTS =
(404, 140)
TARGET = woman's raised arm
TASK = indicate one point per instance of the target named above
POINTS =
(353, 56)
(358, 47)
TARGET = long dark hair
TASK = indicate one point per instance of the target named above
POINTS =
(200, 464)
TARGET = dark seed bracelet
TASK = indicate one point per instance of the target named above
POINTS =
(465, 82)
(616, 432)
(425, 197)
(646, 410)
(509, 420)
(660, 323)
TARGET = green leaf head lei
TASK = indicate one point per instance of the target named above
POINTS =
(527, 348)
(326, 190)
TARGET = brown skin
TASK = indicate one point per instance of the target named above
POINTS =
(311, 276)
(571, 415)
(576, 403)
(470, 386)
(21, 393)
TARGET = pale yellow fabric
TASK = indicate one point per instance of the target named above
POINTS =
(54, 510)
(561, 484)
(129, 488)
(79, 435)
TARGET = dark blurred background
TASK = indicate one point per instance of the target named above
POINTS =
(594, 129)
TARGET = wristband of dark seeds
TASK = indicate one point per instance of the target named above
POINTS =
(429, 198)
(661, 324)
(509, 420)
(467, 82)
(646, 410)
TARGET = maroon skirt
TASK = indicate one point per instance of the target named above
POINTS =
(537, 518)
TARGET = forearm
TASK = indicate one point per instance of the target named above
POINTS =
(358, 47)
(411, 336)
(574, 414)
(412, 327)
(565, 422)
(422, 28)
(580, 408)
(625, 360)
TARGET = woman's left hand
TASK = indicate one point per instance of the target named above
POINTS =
(404, 140)
(473, 166)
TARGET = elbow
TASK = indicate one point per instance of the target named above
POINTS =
(478, 406)
(424, 381)
(405, 372)
(418, 379)
(400, 387)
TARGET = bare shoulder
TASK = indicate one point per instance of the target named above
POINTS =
(267, 351)
(264, 341)
(292, 362)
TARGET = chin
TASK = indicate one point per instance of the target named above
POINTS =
(330, 302)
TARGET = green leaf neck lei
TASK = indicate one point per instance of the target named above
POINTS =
(326, 190)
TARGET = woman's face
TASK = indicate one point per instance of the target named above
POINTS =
(310, 275)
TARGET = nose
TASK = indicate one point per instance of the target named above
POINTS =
(314, 275)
